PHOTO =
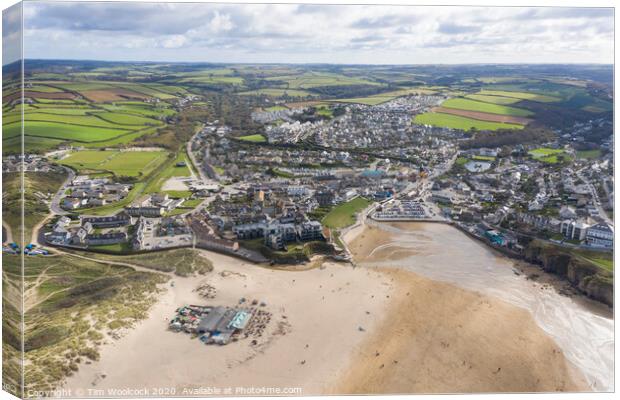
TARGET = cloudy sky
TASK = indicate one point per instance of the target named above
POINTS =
(315, 33)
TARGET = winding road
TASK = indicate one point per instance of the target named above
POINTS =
(55, 204)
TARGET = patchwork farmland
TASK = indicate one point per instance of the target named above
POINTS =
(83, 113)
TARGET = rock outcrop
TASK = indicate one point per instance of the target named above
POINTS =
(584, 275)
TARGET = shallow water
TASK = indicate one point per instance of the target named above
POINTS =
(441, 252)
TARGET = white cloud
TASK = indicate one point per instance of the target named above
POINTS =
(174, 42)
(318, 33)
(220, 23)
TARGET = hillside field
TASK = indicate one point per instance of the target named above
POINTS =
(473, 105)
(119, 163)
(458, 122)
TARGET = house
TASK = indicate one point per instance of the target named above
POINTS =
(442, 197)
(106, 238)
(324, 197)
(311, 230)
(71, 203)
(568, 212)
(574, 230)
(115, 221)
(147, 211)
(600, 235)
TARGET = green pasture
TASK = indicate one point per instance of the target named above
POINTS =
(458, 122)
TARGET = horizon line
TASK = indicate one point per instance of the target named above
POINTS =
(296, 63)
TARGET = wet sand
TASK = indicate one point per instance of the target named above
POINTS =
(581, 328)
(438, 338)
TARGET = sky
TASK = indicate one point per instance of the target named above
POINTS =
(350, 34)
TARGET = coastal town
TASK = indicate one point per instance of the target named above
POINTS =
(279, 195)
(230, 224)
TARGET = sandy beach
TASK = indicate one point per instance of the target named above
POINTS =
(317, 316)
(438, 338)
(580, 328)
(337, 329)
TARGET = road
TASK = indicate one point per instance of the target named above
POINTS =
(192, 157)
(597, 200)
(55, 204)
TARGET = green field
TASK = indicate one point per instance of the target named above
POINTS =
(603, 262)
(13, 145)
(473, 105)
(253, 138)
(369, 101)
(140, 109)
(521, 95)
(275, 92)
(546, 155)
(128, 119)
(589, 154)
(276, 108)
(61, 111)
(125, 163)
(483, 158)
(457, 122)
(57, 130)
(493, 99)
(84, 124)
(214, 79)
(83, 120)
(309, 80)
(344, 214)
(385, 97)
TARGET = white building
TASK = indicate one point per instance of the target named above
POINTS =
(575, 230)
(600, 235)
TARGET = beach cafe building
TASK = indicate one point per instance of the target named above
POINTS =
(222, 323)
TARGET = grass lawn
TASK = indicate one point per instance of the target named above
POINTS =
(546, 155)
(134, 163)
(589, 154)
(457, 122)
(344, 214)
(473, 105)
(253, 138)
(483, 158)
(121, 248)
(191, 203)
(324, 111)
(604, 263)
(461, 161)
